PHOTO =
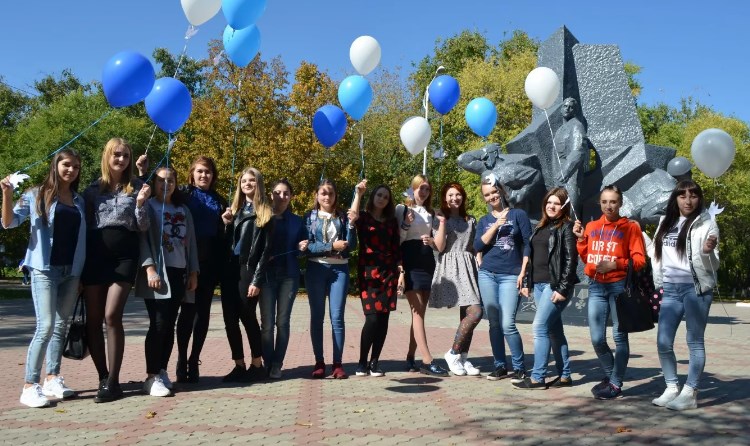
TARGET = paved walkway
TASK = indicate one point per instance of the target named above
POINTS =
(398, 408)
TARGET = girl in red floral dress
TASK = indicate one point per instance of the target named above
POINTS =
(378, 272)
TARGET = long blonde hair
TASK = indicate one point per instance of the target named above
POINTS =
(125, 181)
(263, 210)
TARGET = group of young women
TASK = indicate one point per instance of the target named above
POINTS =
(176, 246)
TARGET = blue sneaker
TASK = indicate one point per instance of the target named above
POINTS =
(432, 369)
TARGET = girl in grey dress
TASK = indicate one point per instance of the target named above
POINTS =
(455, 279)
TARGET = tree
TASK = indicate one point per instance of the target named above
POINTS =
(52, 88)
(189, 71)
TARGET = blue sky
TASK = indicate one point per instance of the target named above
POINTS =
(688, 48)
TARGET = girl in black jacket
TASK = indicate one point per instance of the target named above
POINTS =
(249, 224)
(552, 273)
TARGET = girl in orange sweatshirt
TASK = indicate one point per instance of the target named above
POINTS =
(606, 246)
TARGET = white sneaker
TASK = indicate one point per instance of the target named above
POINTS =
(687, 399)
(56, 388)
(34, 397)
(165, 378)
(669, 394)
(454, 363)
(154, 386)
(468, 366)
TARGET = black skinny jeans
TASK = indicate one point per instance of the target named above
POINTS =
(194, 317)
(162, 314)
(237, 307)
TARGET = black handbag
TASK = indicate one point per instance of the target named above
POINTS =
(634, 311)
(76, 345)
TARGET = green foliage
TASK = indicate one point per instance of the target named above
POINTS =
(52, 88)
(189, 71)
(631, 71)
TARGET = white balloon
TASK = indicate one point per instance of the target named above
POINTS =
(415, 134)
(199, 12)
(364, 54)
(542, 87)
(713, 152)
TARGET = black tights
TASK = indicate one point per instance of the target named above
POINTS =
(373, 335)
(106, 303)
(162, 314)
(470, 317)
(194, 317)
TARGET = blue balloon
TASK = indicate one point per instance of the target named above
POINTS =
(169, 104)
(127, 78)
(241, 45)
(329, 124)
(355, 95)
(444, 93)
(242, 13)
(481, 116)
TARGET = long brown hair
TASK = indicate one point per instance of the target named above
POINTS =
(390, 209)
(263, 211)
(673, 216)
(106, 180)
(444, 202)
(49, 190)
(564, 217)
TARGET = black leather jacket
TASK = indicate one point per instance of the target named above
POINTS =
(563, 260)
(255, 243)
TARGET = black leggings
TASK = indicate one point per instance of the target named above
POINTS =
(470, 317)
(237, 307)
(162, 315)
(373, 335)
(194, 317)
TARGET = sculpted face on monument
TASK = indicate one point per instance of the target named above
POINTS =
(595, 139)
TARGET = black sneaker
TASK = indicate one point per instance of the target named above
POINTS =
(561, 382)
(499, 373)
(602, 385)
(411, 365)
(375, 370)
(432, 369)
(362, 370)
(235, 376)
(518, 376)
(528, 384)
(254, 373)
(608, 393)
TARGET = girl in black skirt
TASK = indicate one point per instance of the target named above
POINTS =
(115, 213)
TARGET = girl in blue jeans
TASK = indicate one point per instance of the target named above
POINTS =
(55, 255)
(502, 238)
(686, 258)
(552, 273)
(331, 236)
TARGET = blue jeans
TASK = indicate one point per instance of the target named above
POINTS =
(54, 293)
(500, 299)
(332, 280)
(276, 300)
(601, 306)
(548, 330)
(679, 299)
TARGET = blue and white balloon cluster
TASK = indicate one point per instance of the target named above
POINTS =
(355, 93)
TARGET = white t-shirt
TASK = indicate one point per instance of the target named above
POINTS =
(174, 229)
(330, 235)
(676, 269)
(422, 224)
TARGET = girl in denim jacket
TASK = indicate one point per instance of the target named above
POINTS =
(55, 255)
(331, 237)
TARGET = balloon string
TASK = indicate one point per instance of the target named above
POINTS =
(160, 255)
(325, 161)
(236, 131)
(557, 155)
(188, 34)
(67, 143)
(170, 144)
(362, 154)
